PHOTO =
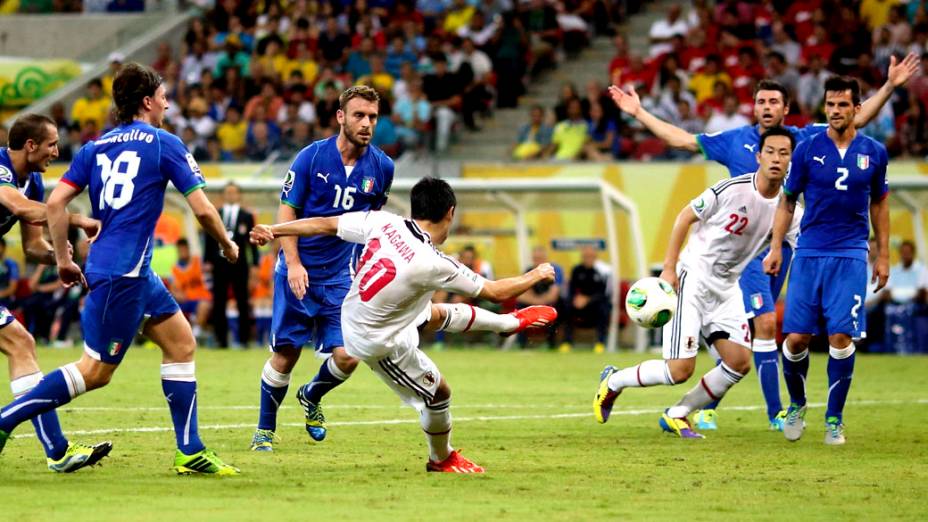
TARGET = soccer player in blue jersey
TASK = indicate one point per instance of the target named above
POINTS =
(344, 173)
(33, 142)
(127, 171)
(736, 149)
(842, 176)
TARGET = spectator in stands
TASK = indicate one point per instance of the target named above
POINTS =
(214, 152)
(39, 308)
(469, 257)
(268, 100)
(195, 145)
(398, 55)
(603, 143)
(540, 21)
(443, 91)
(621, 58)
(9, 277)
(238, 222)
(232, 133)
(588, 299)
(668, 99)
(298, 136)
(262, 279)
(703, 82)
(511, 41)
(458, 16)
(664, 29)
(784, 44)
(570, 136)
(812, 86)
(914, 132)
(233, 55)
(779, 70)
(534, 137)
(728, 118)
(546, 293)
(199, 120)
(907, 277)
(474, 69)
(333, 43)
(378, 78)
(326, 109)
(411, 115)
(479, 30)
(298, 104)
(260, 142)
(568, 92)
(359, 64)
(115, 60)
(189, 287)
(92, 107)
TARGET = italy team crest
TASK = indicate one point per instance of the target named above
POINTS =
(367, 185)
(863, 161)
(757, 301)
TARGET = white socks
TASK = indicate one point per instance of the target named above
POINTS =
(435, 420)
(22, 385)
(74, 380)
(712, 387)
(463, 317)
(796, 357)
(183, 372)
(841, 353)
(764, 345)
(333, 369)
(648, 373)
(273, 378)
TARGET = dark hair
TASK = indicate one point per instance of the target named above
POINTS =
(2, 242)
(431, 199)
(29, 127)
(358, 91)
(182, 242)
(131, 85)
(96, 82)
(907, 243)
(772, 85)
(841, 84)
(777, 131)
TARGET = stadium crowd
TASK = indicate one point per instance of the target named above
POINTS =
(254, 80)
(703, 62)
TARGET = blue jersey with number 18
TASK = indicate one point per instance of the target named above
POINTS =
(319, 185)
(127, 170)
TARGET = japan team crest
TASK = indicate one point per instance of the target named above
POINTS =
(367, 185)
(863, 161)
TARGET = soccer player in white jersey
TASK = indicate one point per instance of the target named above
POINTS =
(732, 219)
(389, 302)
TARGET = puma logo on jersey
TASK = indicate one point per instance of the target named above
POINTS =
(325, 177)
(750, 147)
(819, 159)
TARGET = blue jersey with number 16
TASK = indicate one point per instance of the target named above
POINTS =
(127, 170)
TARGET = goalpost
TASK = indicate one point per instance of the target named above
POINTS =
(911, 194)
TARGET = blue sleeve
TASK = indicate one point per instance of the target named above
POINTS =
(296, 184)
(717, 145)
(879, 185)
(798, 174)
(13, 267)
(78, 174)
(37, 192)
(387, 168)
(178, 165)
(804, 133)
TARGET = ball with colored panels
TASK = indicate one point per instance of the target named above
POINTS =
(651, 302)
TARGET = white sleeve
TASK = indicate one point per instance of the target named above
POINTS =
(792, 235)
(705, 205)
(448, 274)
(355, 226)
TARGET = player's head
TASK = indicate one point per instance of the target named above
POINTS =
(36, 137)
(183, 249)
(432, 200)
(771, 103)
(842, 102)
(774, 152)
(138, 92)
(231, 194)
(358, 108)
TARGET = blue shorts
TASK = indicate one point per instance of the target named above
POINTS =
(115, 308)
(317, 317)
(189, 307)
(826, 292)
(759, 290)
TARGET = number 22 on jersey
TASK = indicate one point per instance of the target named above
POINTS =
(118, 173)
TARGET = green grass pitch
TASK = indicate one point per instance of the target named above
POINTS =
(525, 416)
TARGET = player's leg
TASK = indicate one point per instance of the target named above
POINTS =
(291, 328)
(842, 303)
(463, 317)
(767, 363)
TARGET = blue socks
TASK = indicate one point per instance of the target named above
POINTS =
(840, 371)
(326, 380)
(795, 369)
(47, 428)
(56, 389)
(274, 387)
(767, 362)
(179, 383)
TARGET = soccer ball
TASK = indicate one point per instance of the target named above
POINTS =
(651, 302)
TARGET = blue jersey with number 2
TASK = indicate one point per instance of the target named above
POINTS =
(127, 170)
(736, 149)
(319, 185)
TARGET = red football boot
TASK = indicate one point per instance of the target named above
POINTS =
(455, 463)
(538, 316)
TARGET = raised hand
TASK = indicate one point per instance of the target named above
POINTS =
(900, 72)
(627, 101)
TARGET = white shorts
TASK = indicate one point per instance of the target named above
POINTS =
(702, 314)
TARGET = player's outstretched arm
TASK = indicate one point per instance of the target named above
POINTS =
(672, 135)
(896, 76)
(315, 226)
(58, 223)
(681, 228)
(782, 221)
(510, 287)
(209, 219)
(22, 207)
(879, 216)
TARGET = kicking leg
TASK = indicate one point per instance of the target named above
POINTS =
(179, 384)
(462, 317)
(332, 372)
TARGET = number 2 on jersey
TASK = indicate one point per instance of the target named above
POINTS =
(840, 182)
(736, 221)
(378, 276)
(119, 173)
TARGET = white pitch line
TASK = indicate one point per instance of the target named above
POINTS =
(479, 418)
(255, 407)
